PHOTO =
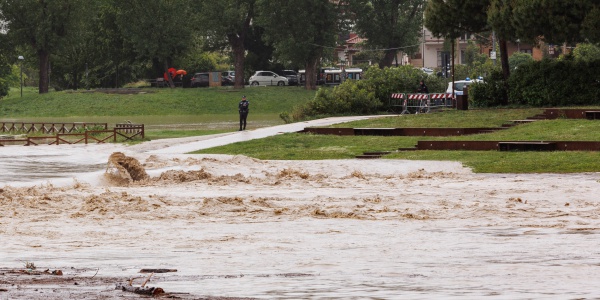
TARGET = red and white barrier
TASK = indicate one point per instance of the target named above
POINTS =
(418, 96)
(420, 102)
(441, 96)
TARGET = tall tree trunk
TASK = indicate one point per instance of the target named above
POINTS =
(505, 69)
(311, 74)
(44, 58)
(236, 40)
(75, 79)
(388, 58)
(169, 78)
(239, 52)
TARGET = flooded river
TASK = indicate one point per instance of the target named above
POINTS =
(234, 226)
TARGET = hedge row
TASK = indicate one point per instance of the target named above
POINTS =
(545, 83)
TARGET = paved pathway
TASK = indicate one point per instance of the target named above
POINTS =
(22, 165)
(173, 146)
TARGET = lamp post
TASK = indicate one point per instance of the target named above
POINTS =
(21, 58)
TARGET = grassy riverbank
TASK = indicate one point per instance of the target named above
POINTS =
(214, 106)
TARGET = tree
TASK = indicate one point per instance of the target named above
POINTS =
(519, 58)
(155, 28)
(392, 25)
(114, 57)
(43, 25)
(452, 18)
(5, 73)
(591, 23)
(301, 31)
(500, 16)
(586, 52)
(554, 22)
(227, 23)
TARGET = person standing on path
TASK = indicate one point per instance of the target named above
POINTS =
(243, 109)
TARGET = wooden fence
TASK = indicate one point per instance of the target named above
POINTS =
(123, 132)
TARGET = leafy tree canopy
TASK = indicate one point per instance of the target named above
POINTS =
(393, 25)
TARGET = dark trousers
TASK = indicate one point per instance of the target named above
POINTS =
(243, 117)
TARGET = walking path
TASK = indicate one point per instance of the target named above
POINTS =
(46, 163)
(186, 145)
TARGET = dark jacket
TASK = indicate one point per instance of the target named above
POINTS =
(243, 107)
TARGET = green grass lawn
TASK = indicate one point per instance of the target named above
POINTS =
(309, 146)
(448, 118)
(152, 102)
(217, 106)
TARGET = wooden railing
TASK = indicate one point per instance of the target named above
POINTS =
(45, 128)
(122, 132)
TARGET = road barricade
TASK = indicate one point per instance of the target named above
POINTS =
(440, 100)
(419, 103)
(416, 103)
(397, 102)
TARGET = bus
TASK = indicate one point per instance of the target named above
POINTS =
(332, 76)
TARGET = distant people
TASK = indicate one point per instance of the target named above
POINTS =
(423, 88)
(243, 109)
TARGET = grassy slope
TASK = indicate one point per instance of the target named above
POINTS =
(157, 101)
(274, 100)
(304, 146)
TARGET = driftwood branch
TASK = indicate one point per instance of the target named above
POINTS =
(150, 291)
(157, 270)
(147, 279)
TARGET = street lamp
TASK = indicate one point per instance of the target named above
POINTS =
(21, 58)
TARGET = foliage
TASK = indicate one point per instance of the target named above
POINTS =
(154, 27)
(472, 55)
(452, 18)
(300, 31)
(517, 59)
(5, 76)
(586, 52)
(461, 72)
(390, 25)
(591, 23)
(196, 59)
(351, 97)
(484, 69)
(42, 26)
(227, 24)
(489, 93)
(556, 22)
(403, 79)
(113, 59)
(368, 95)
(546, 83)
(366, 57)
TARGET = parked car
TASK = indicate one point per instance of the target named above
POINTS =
(292, 76)
(227, 78)
(199, 80)
(427, 71)
(460, 85)
(267, 78)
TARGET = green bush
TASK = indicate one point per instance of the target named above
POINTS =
(403, 79)
(368, 95)
(489, 93)
(517, 59)
(350, 97)
(6, 77)
(556, 83)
